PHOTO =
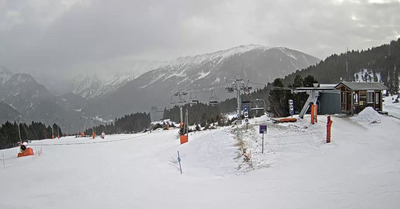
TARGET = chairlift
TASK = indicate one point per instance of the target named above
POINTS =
(213, 99)
(172, 101)
(257, 108)
(257, 104)
(213, 103)
(193, 98)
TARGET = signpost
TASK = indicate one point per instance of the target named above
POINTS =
(263, 129)
(179, 160)
(246, 115)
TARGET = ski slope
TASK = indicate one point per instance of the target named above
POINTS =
(359, 169)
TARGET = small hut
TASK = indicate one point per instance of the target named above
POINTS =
(355, 96)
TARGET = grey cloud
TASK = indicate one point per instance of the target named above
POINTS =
(162, 29)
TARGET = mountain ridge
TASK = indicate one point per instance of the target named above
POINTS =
(201, 73)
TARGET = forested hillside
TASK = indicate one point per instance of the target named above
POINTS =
(132, 123)
(380, 63)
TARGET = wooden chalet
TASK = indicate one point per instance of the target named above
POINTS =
(355, 96)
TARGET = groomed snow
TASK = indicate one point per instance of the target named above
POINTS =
(360, 168)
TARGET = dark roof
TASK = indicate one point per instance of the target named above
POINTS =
(362, 85)
(320, 87)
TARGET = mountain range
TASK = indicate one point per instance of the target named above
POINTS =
(114, 95)
(202, 77)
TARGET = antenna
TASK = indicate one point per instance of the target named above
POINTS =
(19, 132)
(347, 64)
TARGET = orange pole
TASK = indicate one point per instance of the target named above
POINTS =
(328, 129)
(312, 114)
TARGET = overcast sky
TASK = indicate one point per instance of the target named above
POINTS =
(57, 34)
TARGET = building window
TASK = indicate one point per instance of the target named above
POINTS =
(370, 97)
(377, 98)
(355, 98)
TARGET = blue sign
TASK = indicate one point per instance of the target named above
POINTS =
(246, 114)
(246, 120)
(291, 108)
(263, 129)
(245, 108)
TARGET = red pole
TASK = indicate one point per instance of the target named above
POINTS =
(312, 114)
(328, 129)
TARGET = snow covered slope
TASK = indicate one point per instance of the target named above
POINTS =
(358, 169)
(367, 75)
(391, 106)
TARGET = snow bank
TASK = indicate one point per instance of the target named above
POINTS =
(392, 107)
(358, 169)
(368, 115)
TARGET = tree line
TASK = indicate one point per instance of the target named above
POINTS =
(132, 123)
(201, 114)
(9, 136)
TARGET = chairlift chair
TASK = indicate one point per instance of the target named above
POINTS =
(193, 98)
(213, 103)
(213, 99)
